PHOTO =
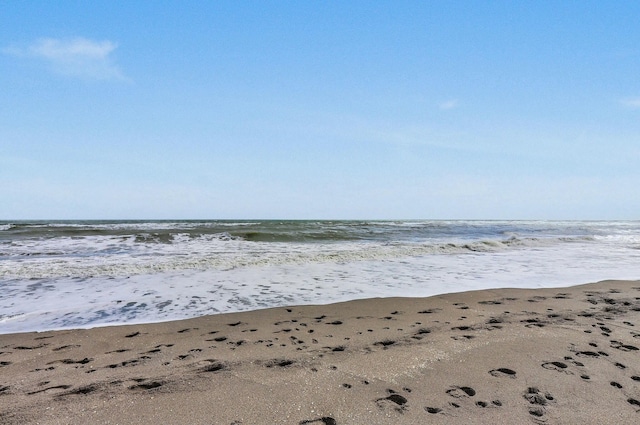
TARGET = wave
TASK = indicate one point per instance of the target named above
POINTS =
(203, 256)
(310, 231)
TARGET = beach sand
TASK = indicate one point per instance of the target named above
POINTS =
(556, 356)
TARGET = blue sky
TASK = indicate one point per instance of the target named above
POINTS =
(296, 109)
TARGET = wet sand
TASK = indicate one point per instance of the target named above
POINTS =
(557, 356)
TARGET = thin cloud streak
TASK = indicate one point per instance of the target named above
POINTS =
(78, 57)
(449, 104)
(633, 102)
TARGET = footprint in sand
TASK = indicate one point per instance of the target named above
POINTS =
(623, 347)
(462, 337)
(326, 420)
(559, 366)
(86, 389)
(460, 392)
(147, 385)
(503, 371)
(538, 401)
(398, 400)
(279, 363)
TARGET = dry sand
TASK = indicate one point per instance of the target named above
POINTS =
(556, 356)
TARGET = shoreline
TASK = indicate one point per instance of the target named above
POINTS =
(554, 355)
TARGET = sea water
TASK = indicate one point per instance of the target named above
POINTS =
(79, 274)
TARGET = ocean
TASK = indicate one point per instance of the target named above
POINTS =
(82, 274)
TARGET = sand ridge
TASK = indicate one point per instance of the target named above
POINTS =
(567, 355)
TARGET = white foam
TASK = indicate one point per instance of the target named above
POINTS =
(115, 279)
(190, 293)
(126, 256)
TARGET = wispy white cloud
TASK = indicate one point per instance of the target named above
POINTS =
(631, 102)
(78, 57)
(449, 104)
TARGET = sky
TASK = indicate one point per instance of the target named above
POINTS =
(319, 110)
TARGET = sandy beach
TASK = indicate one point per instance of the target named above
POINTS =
(557, 356)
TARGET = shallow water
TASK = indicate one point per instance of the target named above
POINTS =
(56, 275)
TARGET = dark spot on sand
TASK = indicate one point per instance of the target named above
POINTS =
(326, 420)
(468, 391)
(587, 354)
(536, 411)
(121, 350)
(534, 396)
(147, 385)
(433, 410)
(86, 389)
(615, 384)
(459, 392)
(554, 365)
(396, 398)
(623, 347)
(132, 335)
(65, 347)
(503, 371)
(56, 387)
(462, 337)
(43, 337)
(385, 343)
(280, 363)
(71, 361)
(213, 367)
(481, 404)
(25, 347)
(633, 402)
